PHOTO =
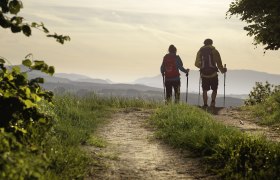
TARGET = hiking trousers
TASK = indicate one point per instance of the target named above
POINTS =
(169, 85)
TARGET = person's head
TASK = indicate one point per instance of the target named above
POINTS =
(208, 42)
(172, 49)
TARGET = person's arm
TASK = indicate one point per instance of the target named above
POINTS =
(162, 68)
(198, 60)
(180, 65)
(217, 58)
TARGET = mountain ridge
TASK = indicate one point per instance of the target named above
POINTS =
(237, 81)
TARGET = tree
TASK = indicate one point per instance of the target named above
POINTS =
(9, 19)
(262, 17)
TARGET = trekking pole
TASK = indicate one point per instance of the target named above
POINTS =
(187, 90)
(164, 94)
(198, 99)
(225, 86)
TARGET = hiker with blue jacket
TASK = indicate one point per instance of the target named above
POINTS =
(170, 67)
(208, 60)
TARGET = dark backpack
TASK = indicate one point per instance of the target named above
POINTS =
(170, 66)
(208, 65)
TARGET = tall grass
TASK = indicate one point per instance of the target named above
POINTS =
(189, 127)
(229, 152)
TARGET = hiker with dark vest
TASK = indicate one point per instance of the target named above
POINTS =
(208, 60)
(170, 67)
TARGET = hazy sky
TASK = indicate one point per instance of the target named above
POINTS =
(123, 40)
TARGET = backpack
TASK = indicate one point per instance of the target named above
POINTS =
(170, 66)
(208, 65)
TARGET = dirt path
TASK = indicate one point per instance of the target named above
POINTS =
(236, 118)
(133, 153)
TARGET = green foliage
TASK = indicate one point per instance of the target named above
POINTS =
(246, 157)
(261, 92)
(19, 99)
(268, 112)
(18, 161)
(227, 151)
(9, 18)
(25, 121)
(262, 17)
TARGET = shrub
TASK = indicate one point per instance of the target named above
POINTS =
(261, 92)
(24, 121)
(268, 112)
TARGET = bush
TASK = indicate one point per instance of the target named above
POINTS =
(261, 92)
(268, 112)
(25, 121)
(18, 161)
(19, 98)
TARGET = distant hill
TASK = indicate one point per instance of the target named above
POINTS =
(62, 77)
(145, 88)
(238, 82)
(81, 78)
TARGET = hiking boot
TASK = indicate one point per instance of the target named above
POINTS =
(205, 106)
(212, 103)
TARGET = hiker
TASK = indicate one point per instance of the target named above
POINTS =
(208, 60)
(170, 67)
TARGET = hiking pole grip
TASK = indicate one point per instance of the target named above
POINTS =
(164, 93)
(187, 88)
(225, 86)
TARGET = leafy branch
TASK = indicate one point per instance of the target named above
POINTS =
(9, 19)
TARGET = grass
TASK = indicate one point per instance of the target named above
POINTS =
(227, 151)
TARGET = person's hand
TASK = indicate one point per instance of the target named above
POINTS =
(187, 73)
(225, 70)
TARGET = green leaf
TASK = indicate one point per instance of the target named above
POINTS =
(2, 61)
(26, 30)
(36, 98)
(51, 70)
(39, 80)
(34, 24)
(14, 7)
(16, 69)
(42, 120)
(10, 77)
(45, 29)
(27, 63)
(15, 28)
(17, 20)
(29, 103)
(27, 92)
(37, 63)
